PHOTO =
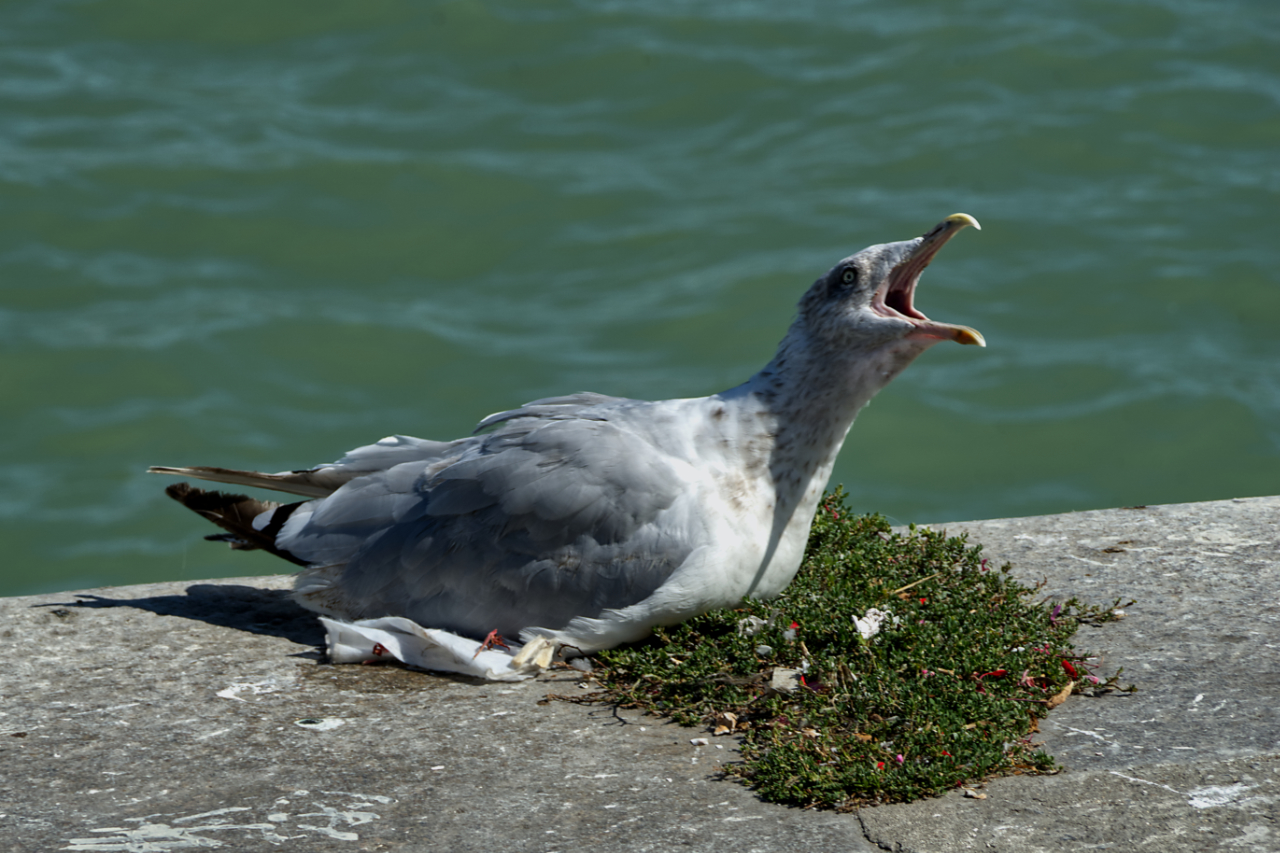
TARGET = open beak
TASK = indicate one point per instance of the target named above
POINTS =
(896, 296)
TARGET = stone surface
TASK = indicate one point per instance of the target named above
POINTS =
(176, 716)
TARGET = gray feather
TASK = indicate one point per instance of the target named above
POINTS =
(543, 520)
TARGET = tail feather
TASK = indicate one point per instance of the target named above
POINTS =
(235, 514)
(312, 484)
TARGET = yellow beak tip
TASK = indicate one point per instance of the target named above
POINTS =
(963, 219)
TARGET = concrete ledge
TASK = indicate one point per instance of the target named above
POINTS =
(173, 716)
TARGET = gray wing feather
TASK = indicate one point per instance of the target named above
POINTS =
(570, 406)
(324, 480)
(385, 454)
(543, 520)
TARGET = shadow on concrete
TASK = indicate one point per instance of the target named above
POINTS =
(270, 612)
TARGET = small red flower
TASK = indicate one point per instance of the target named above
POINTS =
(879, 765)
(924, 601)
(795, 625)
(1071, 670)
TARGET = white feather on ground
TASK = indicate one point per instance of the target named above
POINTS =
(587, 520)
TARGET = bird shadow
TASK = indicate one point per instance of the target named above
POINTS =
(270, 612)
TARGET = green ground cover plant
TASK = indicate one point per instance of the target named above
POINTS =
(836, 714)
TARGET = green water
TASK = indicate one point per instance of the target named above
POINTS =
(257, 235)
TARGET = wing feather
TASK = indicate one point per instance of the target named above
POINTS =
(541, 521)
(324, 480)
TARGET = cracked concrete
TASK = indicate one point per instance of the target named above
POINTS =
(172, 716)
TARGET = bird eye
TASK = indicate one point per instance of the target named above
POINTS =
(849, 276)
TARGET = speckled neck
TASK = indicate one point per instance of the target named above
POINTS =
(807, 398)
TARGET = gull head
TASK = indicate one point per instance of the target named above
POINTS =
(867, 301)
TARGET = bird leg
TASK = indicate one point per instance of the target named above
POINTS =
(379, 651)
(492, 641)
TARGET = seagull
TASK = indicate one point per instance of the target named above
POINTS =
(587, 520)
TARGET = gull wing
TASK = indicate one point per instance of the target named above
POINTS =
(549, 408)
(323, 480)
(546, 519)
